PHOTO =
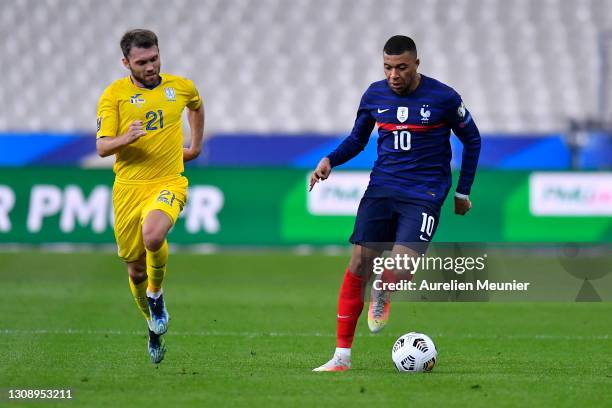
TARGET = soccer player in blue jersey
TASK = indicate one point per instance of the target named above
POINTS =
(408, 183)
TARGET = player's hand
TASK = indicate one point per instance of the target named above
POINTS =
(134, 132)
(320, 173)
(462, 205)
(190, 153)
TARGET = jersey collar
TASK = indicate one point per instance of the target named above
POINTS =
(150, 88)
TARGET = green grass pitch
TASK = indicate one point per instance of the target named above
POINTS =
(247, 329)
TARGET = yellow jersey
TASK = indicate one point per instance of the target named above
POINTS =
(160, 152)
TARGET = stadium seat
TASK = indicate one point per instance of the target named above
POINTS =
(272, 65)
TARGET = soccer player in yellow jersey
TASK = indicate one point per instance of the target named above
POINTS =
(140, 122)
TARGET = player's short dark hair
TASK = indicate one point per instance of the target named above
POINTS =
(140, 38)
(399, 44)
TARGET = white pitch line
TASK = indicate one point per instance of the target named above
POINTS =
(214, 333)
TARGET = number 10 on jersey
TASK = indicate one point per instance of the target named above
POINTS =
(401, 140)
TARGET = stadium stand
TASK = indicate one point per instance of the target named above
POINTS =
(298, 66)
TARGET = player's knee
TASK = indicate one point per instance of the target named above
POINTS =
(153, 240)
(357, 266)
(137, 272)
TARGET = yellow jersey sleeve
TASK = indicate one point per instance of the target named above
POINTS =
(194, 100)
(108, 114)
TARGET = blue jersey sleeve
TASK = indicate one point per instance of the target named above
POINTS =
(462, 124)
(358, 139)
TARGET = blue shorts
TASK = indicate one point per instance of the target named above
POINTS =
(381, 222)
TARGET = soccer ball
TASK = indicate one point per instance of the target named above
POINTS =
(414, 352)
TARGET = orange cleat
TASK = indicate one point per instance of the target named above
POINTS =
(378, 312)
(337, 363)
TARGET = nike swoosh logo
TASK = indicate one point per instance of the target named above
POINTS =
(343, 317)
(423, 238)
(382, 110)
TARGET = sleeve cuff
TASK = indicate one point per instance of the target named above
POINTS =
(462, 196)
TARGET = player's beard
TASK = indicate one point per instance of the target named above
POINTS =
(154, 81)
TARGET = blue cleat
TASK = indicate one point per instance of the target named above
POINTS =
(159, 315)
(157, 347)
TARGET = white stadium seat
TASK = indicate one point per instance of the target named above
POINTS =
(301, 65)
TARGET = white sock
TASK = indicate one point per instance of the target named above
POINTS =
(343, 353)
(154, 295)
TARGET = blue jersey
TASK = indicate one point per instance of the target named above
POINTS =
(414, 151)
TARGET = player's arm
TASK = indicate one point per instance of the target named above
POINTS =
(349, 148)
(106, 146)
(195, 118)
(108, 142)
(466, 130)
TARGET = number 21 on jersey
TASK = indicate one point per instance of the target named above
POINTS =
(152, 117)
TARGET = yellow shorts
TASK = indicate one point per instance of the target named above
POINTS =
(134, 200)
